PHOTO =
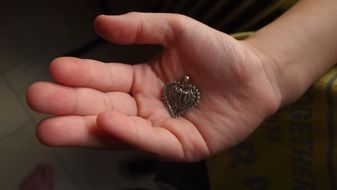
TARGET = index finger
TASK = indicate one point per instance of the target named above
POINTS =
(105, 77)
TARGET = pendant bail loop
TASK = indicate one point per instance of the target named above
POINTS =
(186, 79)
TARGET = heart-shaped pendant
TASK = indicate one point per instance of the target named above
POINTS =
(180, 96)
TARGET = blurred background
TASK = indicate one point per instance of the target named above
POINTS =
(32, 33)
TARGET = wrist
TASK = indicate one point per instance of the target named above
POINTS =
(292, 70)
(299, 46)
(273, 66)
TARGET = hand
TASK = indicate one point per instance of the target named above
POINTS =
(117, 105)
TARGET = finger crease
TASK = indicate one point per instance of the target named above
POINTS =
(90, 79)
(107, 102)
(112, 76)
(132, 91)
(75, 91)
(139, 32)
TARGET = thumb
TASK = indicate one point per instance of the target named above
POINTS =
(138, 28)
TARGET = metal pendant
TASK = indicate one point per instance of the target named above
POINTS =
(180, 96)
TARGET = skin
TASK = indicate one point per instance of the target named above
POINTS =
(241, 83)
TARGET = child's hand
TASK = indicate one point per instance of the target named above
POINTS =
(117, 105)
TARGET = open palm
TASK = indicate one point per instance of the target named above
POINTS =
(117, 105)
